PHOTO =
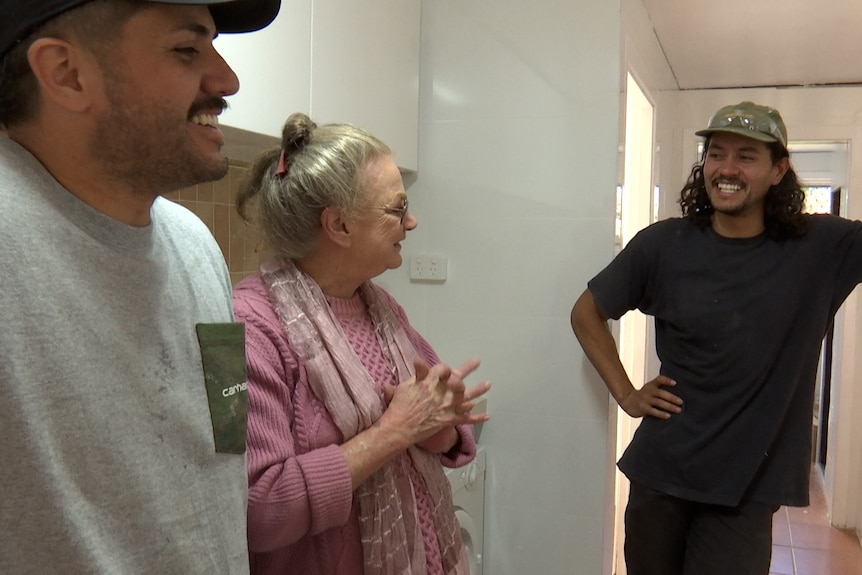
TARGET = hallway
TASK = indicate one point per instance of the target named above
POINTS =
(803, 542)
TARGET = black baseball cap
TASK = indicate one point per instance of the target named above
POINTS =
(22, 17)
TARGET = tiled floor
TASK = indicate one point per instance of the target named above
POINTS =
(803, 542)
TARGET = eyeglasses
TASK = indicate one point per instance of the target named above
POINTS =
(400, 211)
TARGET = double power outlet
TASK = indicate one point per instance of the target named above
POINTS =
(428, 268)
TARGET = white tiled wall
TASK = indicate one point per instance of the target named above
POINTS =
(519, 116)
(519, 124)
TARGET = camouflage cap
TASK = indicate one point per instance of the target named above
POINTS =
(748, 119)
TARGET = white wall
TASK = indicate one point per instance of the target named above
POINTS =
(519, 115)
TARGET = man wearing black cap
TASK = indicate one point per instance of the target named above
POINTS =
(742, 288)
(121, 372)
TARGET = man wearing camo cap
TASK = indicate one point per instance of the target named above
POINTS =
(743, 288)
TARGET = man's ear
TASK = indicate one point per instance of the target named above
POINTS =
(336, 227)
(64, 74)
(782, 166)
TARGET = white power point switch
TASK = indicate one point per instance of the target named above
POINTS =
(428, 268)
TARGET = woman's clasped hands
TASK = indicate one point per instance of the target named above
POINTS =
(429, 405)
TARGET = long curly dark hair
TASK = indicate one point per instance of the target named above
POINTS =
(783, 203)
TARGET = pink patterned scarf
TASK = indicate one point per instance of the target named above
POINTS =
(388, 517)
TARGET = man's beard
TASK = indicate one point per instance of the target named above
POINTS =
(146, 147)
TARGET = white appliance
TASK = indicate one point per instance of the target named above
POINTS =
(468, 494)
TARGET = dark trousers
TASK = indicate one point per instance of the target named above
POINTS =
(666, 535)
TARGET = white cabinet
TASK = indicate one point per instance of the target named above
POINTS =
(274, 69)
(351, 61)
(365, 69)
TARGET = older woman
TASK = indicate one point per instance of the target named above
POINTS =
(348, 427)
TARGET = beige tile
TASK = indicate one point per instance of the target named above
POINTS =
(221, 227)
(221, 189)
(205, 192)
(823, 536)
(204, 210)
(822, 562)
(189, 194)
(235, 277)
(780, 528)
(817, 547)
(237, 177)
(236, 242)
(811, 515)
(782, 561)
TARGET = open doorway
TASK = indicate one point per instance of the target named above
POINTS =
(822, 169)
(634, 212)
(823, 200)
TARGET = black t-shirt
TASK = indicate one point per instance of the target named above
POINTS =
(739, 325)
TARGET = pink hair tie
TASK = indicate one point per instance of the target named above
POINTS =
(281, 169)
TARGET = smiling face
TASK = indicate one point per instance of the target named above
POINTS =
(738, 172)
(378, 223)
(163, 85)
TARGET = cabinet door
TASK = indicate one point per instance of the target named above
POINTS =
(274, 69)
(365, 69)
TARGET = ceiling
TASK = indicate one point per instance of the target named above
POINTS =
(759, 43)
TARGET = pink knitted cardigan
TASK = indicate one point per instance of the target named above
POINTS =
(301, 515)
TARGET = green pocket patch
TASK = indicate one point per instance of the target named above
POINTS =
(223, 354)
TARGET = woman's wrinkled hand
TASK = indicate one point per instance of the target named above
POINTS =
(429, 405)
